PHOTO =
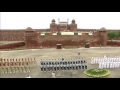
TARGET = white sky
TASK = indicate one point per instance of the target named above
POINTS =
(42, 20)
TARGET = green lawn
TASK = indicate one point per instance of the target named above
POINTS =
(97, 73)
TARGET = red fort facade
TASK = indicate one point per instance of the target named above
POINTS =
(61, 33)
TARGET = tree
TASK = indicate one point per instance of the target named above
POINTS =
(119, 34)
(112, 35)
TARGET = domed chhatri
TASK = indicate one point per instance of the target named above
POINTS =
(28, 28)
(97, 73)
(53, 20)
(73, 21)
(103, 28)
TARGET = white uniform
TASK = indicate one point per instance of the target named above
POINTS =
(118, 64)
(100, 65)
(107, 64)
(53, 75)
(114, 59)
(110, 65)
(91, 61)
(95, 61)
(113, 64)
(104, 65)
(110, 59)
(119, 59)
(28, 77)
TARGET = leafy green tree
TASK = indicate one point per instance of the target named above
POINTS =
(119, 34)
(113, 35)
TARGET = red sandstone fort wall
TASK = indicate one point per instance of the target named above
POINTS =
(16, 35)
(51, 41)
(74, 40)
(12, 35)
(113, 43)
(13, 45)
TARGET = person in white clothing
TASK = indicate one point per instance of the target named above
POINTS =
(53, 75)
(100, 65)
(28, 76)
(110, 65)
(119, 59)
(92, 58)
(118, 64)
(110, 59)
(113, 65)
(107, 64)
(91, 61)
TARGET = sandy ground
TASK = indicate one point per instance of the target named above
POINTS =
(57, 54)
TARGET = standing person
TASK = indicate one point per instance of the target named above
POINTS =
(26, 65)
(108, 65)
(53, 75)
(62, 58)
(35, 62)
(78, 52)
(100, 64)
(28, 76)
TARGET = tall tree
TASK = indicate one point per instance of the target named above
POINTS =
(112, 35)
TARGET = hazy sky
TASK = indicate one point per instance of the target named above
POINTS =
(38, 20)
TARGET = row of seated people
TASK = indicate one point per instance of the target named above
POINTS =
(63, 68)
(20, 65)
(64, 62)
